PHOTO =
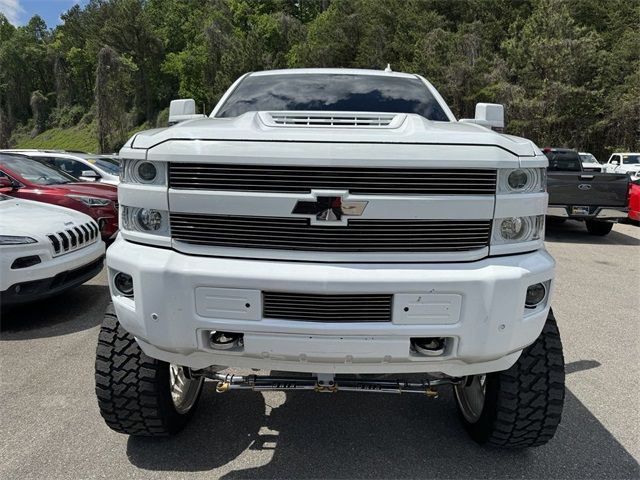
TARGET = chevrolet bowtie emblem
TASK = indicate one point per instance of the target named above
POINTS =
(329, 209)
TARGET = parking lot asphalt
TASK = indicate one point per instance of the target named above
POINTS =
(50, 426)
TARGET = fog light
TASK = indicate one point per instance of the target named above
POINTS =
(124, 284)
(512, 228)
(535, 295)
(147, 171)
(25, 262)
(149, 219)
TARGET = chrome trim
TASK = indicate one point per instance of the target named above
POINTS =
(600, 213)
(606, 212)
(557, 212)
(327, 307)
(328, 208)
(357, 180)
(356, 236)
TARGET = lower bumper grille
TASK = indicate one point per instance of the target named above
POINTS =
(360, 235)
(327, 308)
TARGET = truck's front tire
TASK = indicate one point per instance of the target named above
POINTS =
(595, 227)
(139, 395)
(520, 407)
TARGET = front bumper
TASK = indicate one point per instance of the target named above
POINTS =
(595, 213)
(171, 318)
(52, 276)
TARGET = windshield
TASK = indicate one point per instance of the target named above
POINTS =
(106, 164)
(588, 158)
(35, 172)
(631, 159)
(564, 161)
(332, 92)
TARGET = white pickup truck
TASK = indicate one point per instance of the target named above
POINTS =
(628, 163)
(340, 227)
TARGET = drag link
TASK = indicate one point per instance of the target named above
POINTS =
(226, 382)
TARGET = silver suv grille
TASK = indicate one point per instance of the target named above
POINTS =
(326, 308)
(74, 238)
(302, 179)
(360, 235)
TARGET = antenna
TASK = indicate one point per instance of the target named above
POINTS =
(388, 69)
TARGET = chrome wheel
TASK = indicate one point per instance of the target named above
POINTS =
(470, 395)
(184, 388)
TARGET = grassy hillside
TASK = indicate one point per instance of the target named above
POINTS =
(75, 138)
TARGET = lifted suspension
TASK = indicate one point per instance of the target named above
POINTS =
(327, 383)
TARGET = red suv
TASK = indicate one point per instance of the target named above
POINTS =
(634, 200)
(25, 178)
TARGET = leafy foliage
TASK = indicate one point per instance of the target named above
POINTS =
(81, 138)
(568, 71)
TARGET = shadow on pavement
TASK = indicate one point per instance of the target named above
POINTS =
(348, 435)
(222, 428)
(72, 311)
(576, 232)
(581, 365)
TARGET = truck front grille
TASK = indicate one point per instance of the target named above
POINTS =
(327, 308)
(357, 180)
(360, 235)
(74, 238)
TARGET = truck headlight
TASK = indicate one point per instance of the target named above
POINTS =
(147, 171)
(144, 172)
(522, 180)
(145, 220)
(91, 201)
(517, 229)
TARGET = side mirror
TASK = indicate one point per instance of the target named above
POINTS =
(88, 176)
(181, 110)
(489, 115)
(615, 162)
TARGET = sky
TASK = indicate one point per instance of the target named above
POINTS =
(20, 11)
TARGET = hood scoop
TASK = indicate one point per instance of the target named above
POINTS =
(332, 119)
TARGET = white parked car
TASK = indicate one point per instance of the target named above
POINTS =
(589, 162)
(624, 163)
(332, 223)
(45, 250)
(83, 166)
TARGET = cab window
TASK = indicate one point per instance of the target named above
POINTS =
(70, 166)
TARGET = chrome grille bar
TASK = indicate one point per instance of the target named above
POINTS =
(360, 235)
(343, 120)
(302, 179)
(327, 308)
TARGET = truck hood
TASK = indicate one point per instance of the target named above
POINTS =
(33, 219)
(403, 129)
